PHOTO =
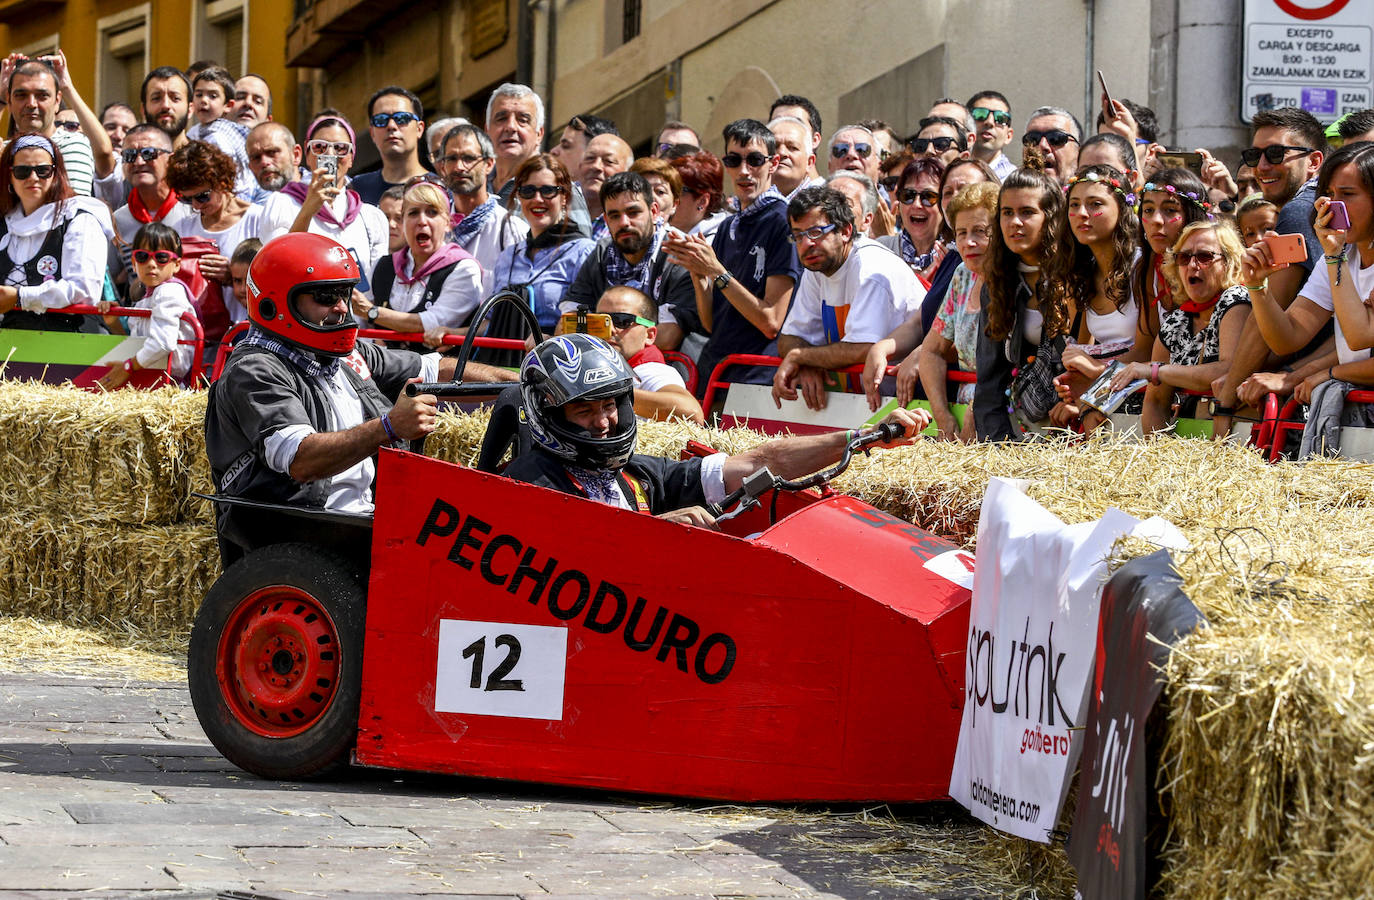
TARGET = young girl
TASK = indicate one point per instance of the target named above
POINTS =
(1254, 217)
(156, 257)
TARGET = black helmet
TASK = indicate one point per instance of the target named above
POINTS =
(578, 367)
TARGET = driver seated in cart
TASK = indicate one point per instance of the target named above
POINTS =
(577, 397)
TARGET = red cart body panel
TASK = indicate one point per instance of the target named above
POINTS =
(516, 632)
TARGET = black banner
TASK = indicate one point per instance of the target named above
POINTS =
(1144, 613)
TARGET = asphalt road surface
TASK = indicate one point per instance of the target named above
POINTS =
(109, 789)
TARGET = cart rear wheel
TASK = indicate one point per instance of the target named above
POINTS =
(275, 664)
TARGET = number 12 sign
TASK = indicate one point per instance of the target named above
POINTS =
(501, 669)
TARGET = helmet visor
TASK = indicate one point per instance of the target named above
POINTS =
(319, 312)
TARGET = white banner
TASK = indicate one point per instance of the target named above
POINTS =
(1031, 648)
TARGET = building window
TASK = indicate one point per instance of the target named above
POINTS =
(630, 21)
(44, 46)
(123, 56)
(219, 34)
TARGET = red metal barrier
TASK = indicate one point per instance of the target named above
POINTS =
(196, 374)
(689, 368)
(1285, 422)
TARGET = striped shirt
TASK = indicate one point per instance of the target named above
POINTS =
(77, 159)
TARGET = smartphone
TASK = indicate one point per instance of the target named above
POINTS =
(1107, 108)
(331, 162)
(583, 322)
(1287, 248)
(1181, 159)
(1340, 219)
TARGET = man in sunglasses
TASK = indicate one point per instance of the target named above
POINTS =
(939, 137)
(659, 393)
(854, 147)
(991, 114)
(1057, 134)
(144, 169)
(1286, 151)
(853, 293)
(396, 123)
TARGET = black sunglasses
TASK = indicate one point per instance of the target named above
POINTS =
(1054, 137)
(841, 150)
(941, 144)
(889, 183)
(401, 118)
(1275, 153)
(623, 320)
(545, 191)
(980, 113)
(147, 154)
(22, 173)
(754, 159)
(193, 199)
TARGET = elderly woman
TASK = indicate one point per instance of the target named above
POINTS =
(1197, 339)
(53, 245)
(324, 204)
(665, 181)
(428, 283)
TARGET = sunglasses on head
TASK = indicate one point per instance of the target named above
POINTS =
(147, 154)
(194, 199)
(754, 159)
(161, 257)
(941, 144)
(623, 320)
(911, 195)
(1201, 257)
(999, 117)
(401, 118)
(1054, 137)
(841, 150)
(44, 172)
(545, 191)
(68, 126)
(338, 148)
(1275, 153)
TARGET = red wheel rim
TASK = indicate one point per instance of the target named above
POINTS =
(278, 661)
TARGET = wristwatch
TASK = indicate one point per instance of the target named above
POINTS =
(372, 314)
(721, 280)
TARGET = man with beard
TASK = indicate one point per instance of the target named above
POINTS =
(635, 257)
(274, 157)
(166, 99)
(606, 155)
(482, 227)
(853, 293)
(144, 168)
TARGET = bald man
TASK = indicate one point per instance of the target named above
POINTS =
(606, 155)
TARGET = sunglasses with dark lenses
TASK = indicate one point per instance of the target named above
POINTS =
(1055, 138)
(147, 154)
(889, 183)
(623, 320)
(841, 150)
(23, 172)
(193, 199)
(161, 257)
(911, 195)
(811, 234)
(1274, 153)
(545, 191)
(68, 126)
(401, 118)
(332, 295)
(941, 144)
(338, 148)
(1201, 257)
(999, 117)
(754, 159)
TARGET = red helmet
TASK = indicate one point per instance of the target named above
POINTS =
(296, 264)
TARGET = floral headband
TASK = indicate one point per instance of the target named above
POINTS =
(1190, 196)
(1113, 183)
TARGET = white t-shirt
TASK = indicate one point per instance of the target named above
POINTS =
(1318, 290)
(457, 299)
(655, 376)
(366, 236)
(165, 329)
(1117, 325)
(862, 302)
(248, 226)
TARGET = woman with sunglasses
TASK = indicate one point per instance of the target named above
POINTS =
(1020, 315)
(920, 222)
(545, 263)
(203, 177)
(53, 245)
(323, 201)
(701, 208)
(1196, 338)
(429, 285)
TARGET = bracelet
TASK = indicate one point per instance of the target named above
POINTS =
(1154, 373)
(390, 432)
(1338, 258)
(1331, 374)
(129, 364)
(1257, 288)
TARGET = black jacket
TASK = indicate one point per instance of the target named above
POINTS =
(669, 483)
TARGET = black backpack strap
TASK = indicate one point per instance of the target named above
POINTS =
(383, 277)
(433, 285)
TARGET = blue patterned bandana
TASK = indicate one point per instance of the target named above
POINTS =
(306, 362)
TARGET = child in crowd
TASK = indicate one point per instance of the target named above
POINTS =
(390, 204)
(212, 94)
(1254, 217)
(238, 277)
(156, 258)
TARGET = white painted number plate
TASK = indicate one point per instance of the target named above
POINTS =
(499, 669)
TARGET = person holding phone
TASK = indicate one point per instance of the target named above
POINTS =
(323, 203)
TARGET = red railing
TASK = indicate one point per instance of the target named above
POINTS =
(197, 370)
(1283, 421)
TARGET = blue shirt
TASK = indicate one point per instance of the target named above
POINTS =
(549, 273)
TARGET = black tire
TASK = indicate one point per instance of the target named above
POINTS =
(275, 661)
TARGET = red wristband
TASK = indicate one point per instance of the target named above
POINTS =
(1154, 373)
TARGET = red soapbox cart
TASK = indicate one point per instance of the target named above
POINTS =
(813, 649)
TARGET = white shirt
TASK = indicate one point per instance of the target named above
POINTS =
(457, 299)
(165, 329)
(655, 376)
(497, 232)
(1318, 290)
(84, 253)
(366, 236)
(1117, 325)
(227, 239)
(229, 137)
(864, 301)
